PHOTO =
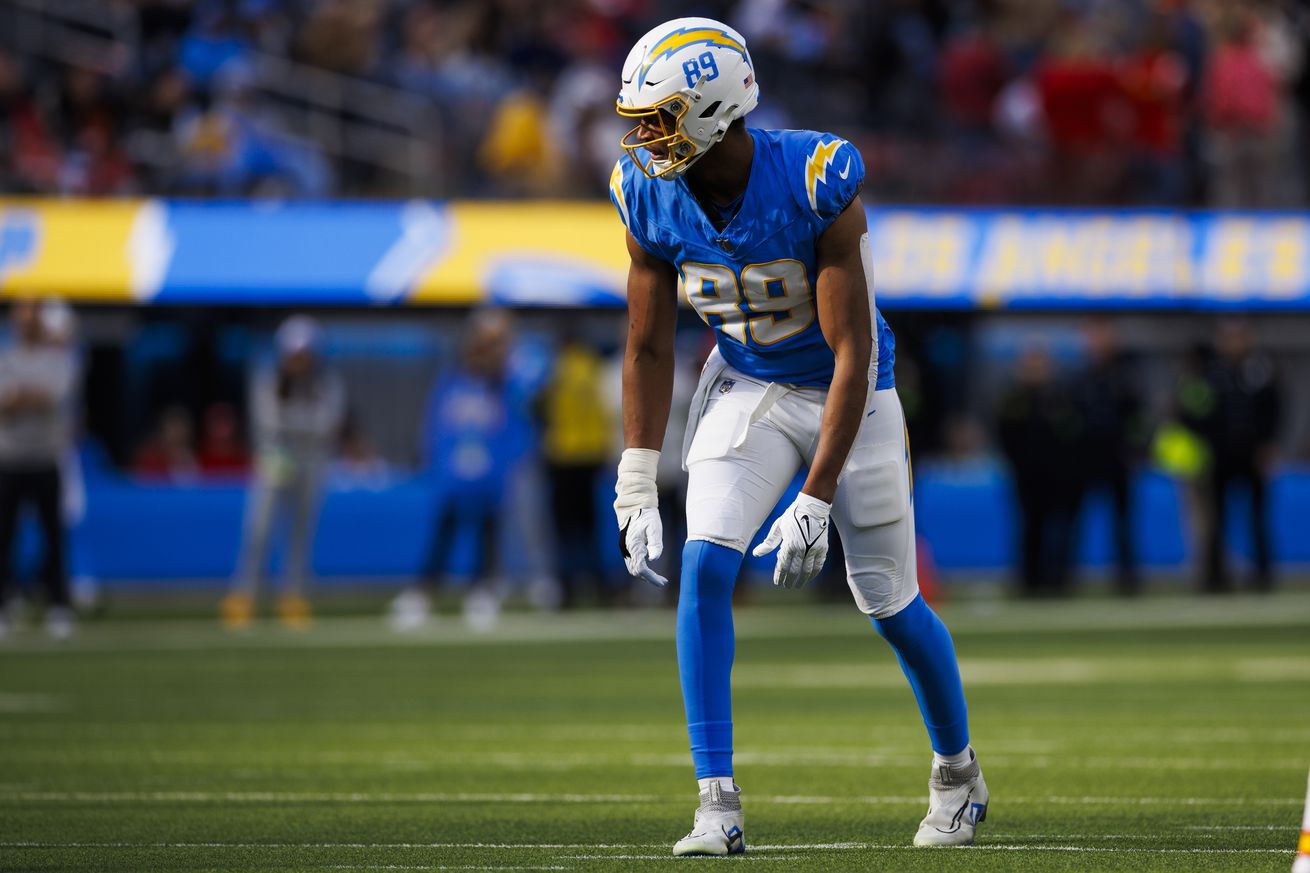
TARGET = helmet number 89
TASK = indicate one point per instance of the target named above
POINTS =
(769, 303)
(694, 67)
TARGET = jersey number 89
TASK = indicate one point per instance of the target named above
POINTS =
(769, 303)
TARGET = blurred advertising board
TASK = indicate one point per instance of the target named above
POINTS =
(571, 254)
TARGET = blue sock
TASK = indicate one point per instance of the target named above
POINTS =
(927, 655)
(705, 649)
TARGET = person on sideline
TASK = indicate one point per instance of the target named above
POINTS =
(298, 405)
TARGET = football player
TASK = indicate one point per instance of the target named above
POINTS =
(765, 233)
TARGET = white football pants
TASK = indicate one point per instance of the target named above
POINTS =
(746, 440)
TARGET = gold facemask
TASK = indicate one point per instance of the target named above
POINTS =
(665, 116)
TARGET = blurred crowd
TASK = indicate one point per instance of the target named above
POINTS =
(1068, 435)
(518, 436)
(1170, 102)
(516, 450)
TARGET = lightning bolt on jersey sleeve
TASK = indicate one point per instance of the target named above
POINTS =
(831, 177)
(617, 197)
(632, 201)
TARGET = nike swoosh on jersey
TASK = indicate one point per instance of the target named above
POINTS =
(846, 170)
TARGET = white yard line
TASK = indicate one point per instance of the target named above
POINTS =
(786, 847)
(1166, 801)
(467, 797)
(993, 835)
(571, 761)
(1287, 609)
(16, 703)
(436, 867)
(232, 845)
(1289, 828)
(800, 847)
(1059, 800)
(1126, 850)
(1284, 829)
(313, 797)
(668, 856)
(1006, 672)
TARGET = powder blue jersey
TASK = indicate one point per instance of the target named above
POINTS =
(754, 281)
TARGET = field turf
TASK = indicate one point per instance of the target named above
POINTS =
(1168, 734)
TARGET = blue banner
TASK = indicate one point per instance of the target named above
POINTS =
(1053, 259)
(966, 515)
(304, 254)
(572, 254)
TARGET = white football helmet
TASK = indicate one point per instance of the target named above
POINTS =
(688, 79)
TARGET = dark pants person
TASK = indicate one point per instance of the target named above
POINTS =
(453, 516)
(1116, 480)
(1228, 472)
(1048, 518)
(573, 512)
(39, 488)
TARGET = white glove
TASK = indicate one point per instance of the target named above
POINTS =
(802, 531)
(636, 505)
(640, 540)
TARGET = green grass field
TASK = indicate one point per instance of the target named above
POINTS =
(1168, 734)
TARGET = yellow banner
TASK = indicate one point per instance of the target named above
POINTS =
(73, 248)
(493, 245)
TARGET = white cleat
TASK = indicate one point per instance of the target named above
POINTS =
(59, 623)
(957, 804)
(481, 610)
(719, 828)
(409, 611)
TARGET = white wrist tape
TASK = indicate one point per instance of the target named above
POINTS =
(636, 488)
(813, 505)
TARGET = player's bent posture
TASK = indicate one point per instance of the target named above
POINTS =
(767, 235)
